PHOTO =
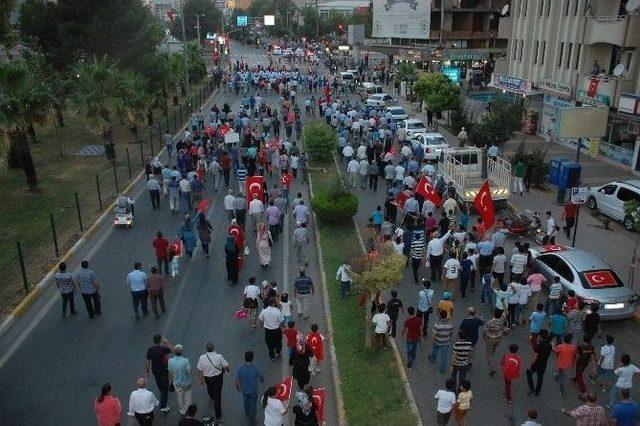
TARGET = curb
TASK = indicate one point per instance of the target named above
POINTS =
(396, 352)
(33, 295)
(335, 373)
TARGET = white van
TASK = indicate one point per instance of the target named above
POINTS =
(609, 199)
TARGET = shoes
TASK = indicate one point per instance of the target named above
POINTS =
(164, 410)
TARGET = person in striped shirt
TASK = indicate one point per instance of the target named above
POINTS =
(242, 179)
(417, 252)
(461, 361)
(442, 332)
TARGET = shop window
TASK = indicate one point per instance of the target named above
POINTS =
(521, 47)
(514, 49)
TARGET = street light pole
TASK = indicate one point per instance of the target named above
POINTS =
(184, 51)
(198, 27)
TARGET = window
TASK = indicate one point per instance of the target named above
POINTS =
(560, 55)
(541, 8)
(625, 194)
(575, 65)
(535, 52)
(549, 260)
(608, 190)
(515, 49)
(567, 7)
(564, 270)
(544, 51)
(569, 56)
(520, 53)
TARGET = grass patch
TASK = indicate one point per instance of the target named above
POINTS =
(371, 387)
(25, 215)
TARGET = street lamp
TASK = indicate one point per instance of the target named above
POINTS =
(197, 27)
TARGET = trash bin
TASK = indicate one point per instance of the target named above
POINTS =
(569, 175)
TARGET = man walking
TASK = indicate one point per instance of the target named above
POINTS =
(301, 244)
(303, 289)
(153, 186)
(394, 307)
(542, 351)
(256, 210)
(180, 375)
(137, 281)
(67, 287)
(343, 274)
(511, 364)
(89, 288)
(211, 368)
(228, 201)
(161, 244)
(461, 360)
(493, 331)
(569, 214)
(271, 318)
(157, 363)
(173, 188)
(142, 402)
(247, 379)
(155, 286)
(518, 177)
(240, 209)
(185, 195)
(411, 331)
(442, 332)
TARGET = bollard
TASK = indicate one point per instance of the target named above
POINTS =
(78, 210)
(129, 163)
(99, 193)
(55, 236)
(22, 268)
(115, 177)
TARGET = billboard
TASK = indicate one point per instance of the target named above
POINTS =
(452, 73)
(401, 18)
(269, 20)
(583, 122)
(242, 20)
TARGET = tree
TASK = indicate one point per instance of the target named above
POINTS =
(437, 92)
(499, 125)
(208, 13)
(23, 100)
(320, 140)
(376, 271)
(102, 92)
(405, 72)
(57, 83)
(7, 36)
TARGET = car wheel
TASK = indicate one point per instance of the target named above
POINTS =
(629, 223)
(591, 202)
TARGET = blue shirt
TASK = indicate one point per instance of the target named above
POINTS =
(137, 280)
(377, 217)
(465, 267)
(180, 369)
(537, 321)
(248, 376)
(485, 248)
(424, 299)
(625, 413)
(558, 324)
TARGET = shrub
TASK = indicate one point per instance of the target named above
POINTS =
(335, 206)
(320, 140)
(533, 158)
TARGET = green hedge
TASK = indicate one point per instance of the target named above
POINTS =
(335, 205)
(321, 141)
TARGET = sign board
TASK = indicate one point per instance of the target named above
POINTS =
(269, 20)
(554, 88)
(402, 19)
(242, 20)
(579, 195)
(211, 36)
(355, 34)
(232, 137)
(452, 73)
(511, 84)
(583, 122)
(629, 104)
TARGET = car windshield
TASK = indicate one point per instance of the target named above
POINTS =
(397, 111)
(376, 97)
(437, 141)
(600, 278)
(415, 125)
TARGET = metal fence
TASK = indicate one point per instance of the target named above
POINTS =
(57, 228)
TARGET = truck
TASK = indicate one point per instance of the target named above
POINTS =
(463, 168)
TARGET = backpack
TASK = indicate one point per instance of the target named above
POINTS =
(511, 366)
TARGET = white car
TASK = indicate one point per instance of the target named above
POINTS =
(413, 126)
(380, 100)
(277, 51)
(433, 144)
(397, 112)
(609, 199)
(346, 77)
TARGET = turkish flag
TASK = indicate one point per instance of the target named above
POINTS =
(203, 205)
(255, 187)
(286, 179)
(554, 247)
(176, 247)
(427, 191)
(484, 205)
(283, 390)
(401, 198)
(224, 129)
(319, 396)
(600, 279)
(593, 88)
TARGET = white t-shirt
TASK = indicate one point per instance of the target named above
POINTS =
(271, 318)
(399, 172)
(608, 353)
(625, 376)
(446, 400)
(256, 206)
(274, 412)
(381, 320)
(251, 291)
(285, 308)
(211, 364)
(452, 266)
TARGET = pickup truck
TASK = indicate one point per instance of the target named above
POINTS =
(462, 167)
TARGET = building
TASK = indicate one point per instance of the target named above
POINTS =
(345, 7)
(564, 53)
(160, 8)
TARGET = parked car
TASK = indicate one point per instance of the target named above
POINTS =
(380, 100)
(609, 199)
(590, 277)
(413, 126)
(347, 77)
(397, 112)
(369, 88)
(433, 144)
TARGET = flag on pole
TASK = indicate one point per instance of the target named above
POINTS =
(283, 390)
(428, 192)
(484, 205)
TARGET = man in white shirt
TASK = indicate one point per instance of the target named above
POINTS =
(215, 170)
(551, 229)
(435, 250)
(137, 281)
(451, 272)
(363, 171)
(185, 194)
(256, 209)
(362, 152)
(389, 174)
(228, 204)
(382, 322)
(352, 169)
(251, 293)
(399, 171)
(347, 153)
(142, 402)
(344, 276)
(446, 400)
(153, 186)
(211, 367)
(427, 207)
(271, 318)
(450, 206)
(301, 212)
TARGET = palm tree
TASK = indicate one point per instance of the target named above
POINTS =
(103, 92)
(176, 75)
(23, 100)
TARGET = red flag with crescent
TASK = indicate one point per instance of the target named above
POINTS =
(319, 396)
(600, 279)
(255, 187)
(428, 192)
(203, 205)
(283, 390)
(286, 180)
(484, 205)
(593, 88)
(401, 198)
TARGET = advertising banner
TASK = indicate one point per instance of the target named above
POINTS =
(402, 18)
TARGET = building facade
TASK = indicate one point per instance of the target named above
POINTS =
(573, 53)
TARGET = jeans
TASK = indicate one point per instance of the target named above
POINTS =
(273, 339)
(486, 295)
(458, 374)
(92, 302)
(511, 320)
(436, 267)
(425, 321)
(214, 389)
(444, 355)
(274, 231)
(163, 387)
(415, 266)
(562, 379)
(394, 323)
(552, 306)
(185, 201)
(491, 346)
(68, 298)
(464, 281)
(140, 298)
(345, 289)
(250, 401)
(411, 352)
(164, 260)
(614, 393)
(226, 174)
(539, 372)
(373, 182)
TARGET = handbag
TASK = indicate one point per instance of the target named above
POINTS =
(250, 303)
(240, 314)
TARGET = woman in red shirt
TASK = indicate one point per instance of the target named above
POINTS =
(107, 407)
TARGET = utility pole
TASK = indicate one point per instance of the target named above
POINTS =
(184, 52)
(317, 21)
(197, 27)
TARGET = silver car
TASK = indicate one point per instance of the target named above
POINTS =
(593, 280)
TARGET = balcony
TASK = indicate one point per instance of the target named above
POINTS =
(613, 29)
(464, 34)
(504, 28)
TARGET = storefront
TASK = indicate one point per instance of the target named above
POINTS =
(530, 98)
(624, 131)
(556, 97)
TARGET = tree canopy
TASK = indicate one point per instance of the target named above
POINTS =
(210, 19)
(438, 92)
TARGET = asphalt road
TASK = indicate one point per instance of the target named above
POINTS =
(52, 369)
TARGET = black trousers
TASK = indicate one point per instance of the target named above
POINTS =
(214, 389)
(373, 182)
(540, 376)
(415, 266)
(160, 261)
(145, 419)
(67, 298)
(274, 231)
(92, 302)
(436, 267)
(273, 339)
(155, 199)
(163, 387)
(394, 321)
(425, 322)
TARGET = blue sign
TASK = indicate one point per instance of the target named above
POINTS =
(242, 21)
(452, 73)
